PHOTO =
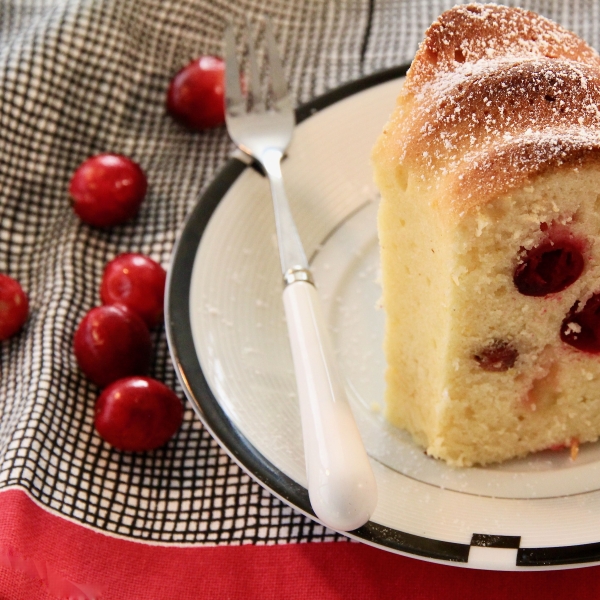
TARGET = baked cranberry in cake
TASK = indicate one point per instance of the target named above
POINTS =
(497, 356)
(581, 328)
(548, 268)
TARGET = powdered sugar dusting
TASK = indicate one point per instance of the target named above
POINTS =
(473, 32)
(494, 95)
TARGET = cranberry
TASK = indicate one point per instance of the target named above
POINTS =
(581, 328)
(548, 268)
(14, 306)
(137, 413)
(107, 189)
(137, 282)
(196, 93)
(497, 356)
(112, 342)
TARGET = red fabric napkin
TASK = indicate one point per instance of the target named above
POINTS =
(44, 556)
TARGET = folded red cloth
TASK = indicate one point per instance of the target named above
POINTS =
(44, 556)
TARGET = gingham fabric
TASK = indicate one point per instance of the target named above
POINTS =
(80, 77)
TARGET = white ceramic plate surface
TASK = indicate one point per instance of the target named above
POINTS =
(228, 339)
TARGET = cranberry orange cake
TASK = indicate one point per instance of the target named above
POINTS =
(489, 226)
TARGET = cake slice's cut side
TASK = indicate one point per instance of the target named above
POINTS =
(480, 369)
(414, 248)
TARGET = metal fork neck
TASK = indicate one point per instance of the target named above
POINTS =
(291, 252)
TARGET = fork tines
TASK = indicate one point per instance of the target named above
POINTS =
(257, 97)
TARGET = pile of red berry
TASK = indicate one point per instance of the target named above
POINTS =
(112, 343)
(113, 348)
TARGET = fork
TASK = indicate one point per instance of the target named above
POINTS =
(341, 485)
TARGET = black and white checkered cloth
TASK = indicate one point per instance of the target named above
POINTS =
(80, 77)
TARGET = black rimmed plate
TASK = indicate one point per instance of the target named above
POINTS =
(228, 340)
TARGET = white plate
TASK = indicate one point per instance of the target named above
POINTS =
(228, 339)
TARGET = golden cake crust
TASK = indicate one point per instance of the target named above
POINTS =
(495, 96)
(474, 32)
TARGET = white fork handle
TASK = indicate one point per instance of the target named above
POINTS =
(341, 484)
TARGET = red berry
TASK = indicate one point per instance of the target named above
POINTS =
(549, 268)
(14, 306)
(107, 189)
(581, 329)
(137, 413)
(196, 93)
(137, 282)
(112, 342)
(497, 356)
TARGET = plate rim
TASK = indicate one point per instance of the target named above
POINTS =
(234, 443)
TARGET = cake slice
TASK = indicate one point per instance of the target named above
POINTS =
(489, 227)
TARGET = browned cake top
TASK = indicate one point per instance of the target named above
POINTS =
(474, 32)
(494, 96)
